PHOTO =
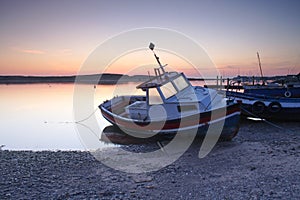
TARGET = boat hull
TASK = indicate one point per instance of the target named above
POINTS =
(279, 109)
(227, 118)
(293, 92)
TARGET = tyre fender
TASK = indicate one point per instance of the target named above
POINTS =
(274, 107)
(258, 107)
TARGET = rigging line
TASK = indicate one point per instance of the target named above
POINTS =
(210, 103)
(264, 120)
(74, 122)
(162, 147)
(91, 130)
(268, 122)
(82, 120)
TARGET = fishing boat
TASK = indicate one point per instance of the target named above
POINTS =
(170, 105)
(273, 90)
(285, 86)
(278, 100)
(267, 107)
(288, 86)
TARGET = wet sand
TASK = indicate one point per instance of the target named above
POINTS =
(262, 162)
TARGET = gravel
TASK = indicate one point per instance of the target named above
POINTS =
(262, 162)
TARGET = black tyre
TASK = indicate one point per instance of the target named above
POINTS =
(274, 107)
(258, 107)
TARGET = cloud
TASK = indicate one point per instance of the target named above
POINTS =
(65, 51)
(29, 51)
(233, 67)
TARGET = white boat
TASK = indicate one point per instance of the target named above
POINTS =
(172, 104)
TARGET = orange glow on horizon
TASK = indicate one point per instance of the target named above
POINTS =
(140, 62)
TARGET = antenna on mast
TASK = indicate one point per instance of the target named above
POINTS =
(151, 46)
(261, 74)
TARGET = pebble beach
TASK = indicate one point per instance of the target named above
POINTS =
(261, 162)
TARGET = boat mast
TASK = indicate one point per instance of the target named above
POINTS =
(151, 46)
(261, 74)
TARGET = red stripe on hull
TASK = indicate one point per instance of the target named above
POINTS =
(173, 124)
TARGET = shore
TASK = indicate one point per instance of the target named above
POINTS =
(84, 79)
(262, 162)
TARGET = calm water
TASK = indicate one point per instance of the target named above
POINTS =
(40, 116)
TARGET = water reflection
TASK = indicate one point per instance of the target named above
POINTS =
(38, 116)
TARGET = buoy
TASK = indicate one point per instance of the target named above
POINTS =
(287, 94)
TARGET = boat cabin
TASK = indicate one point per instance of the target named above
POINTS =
(161, 88)
(165, 88)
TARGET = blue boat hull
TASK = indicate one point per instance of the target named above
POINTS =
(266, 107)
(293, 92)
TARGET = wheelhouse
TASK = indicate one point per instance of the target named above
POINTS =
(161, 89)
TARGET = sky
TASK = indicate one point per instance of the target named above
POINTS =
(56, 37)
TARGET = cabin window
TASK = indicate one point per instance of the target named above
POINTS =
(168, 90)
(154, 97)
(180, 83)
(185, 108)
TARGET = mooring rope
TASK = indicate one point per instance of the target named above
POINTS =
(268, 122)
(264, 120)
(87, 127)
(79, 121)
(75, 122)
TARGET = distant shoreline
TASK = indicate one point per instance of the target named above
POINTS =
(116, 78)
(86, 79)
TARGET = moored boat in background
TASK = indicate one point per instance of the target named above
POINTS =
(278, 100)
(267, 107)
(288, 87)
